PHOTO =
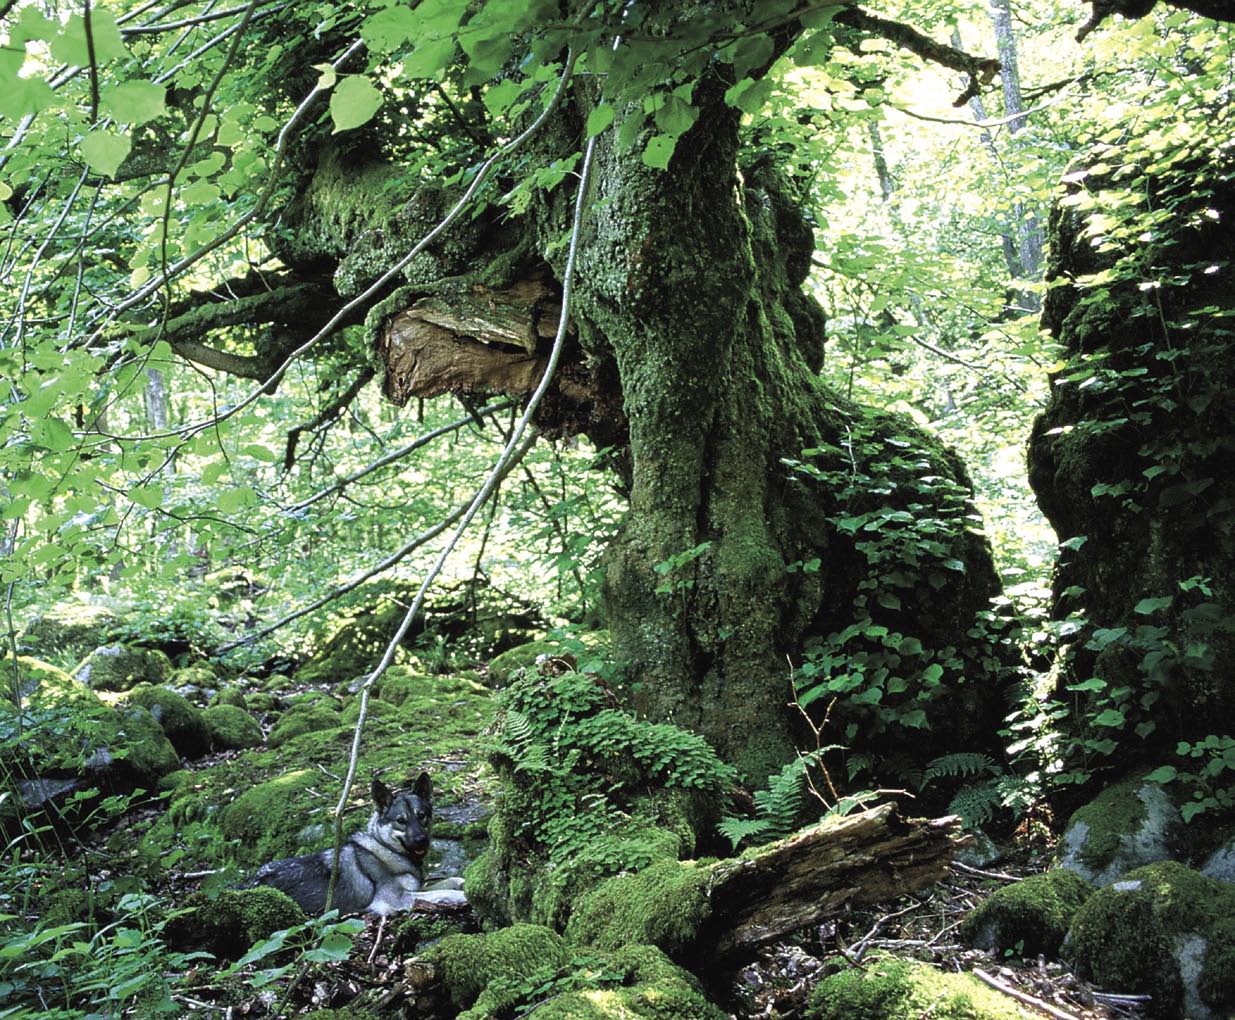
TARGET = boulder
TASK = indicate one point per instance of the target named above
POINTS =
(1127, 825)
(120, 667)
(1030, 917)
(181, 720)
(1166, 931)
(231, 728)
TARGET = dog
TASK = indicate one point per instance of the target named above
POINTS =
(380, 869)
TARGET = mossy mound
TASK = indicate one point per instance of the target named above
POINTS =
(378, 709)
(68, 631)
(502, 668)
(181, 720)
(300, 720)
(1162, 930)
(403, 683)
(231, 728)
(1030, 917)
(144, 752)
(355, 642)
(120, 667)
(69, 731)
(200, 675)
(663, 905)
(499, 975)
(893, 989)
(232, 696)
(1126, 826)
(231, 922)
(272, 820)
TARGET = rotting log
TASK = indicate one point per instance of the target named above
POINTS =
(815, 874)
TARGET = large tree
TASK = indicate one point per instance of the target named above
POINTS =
(765, 509)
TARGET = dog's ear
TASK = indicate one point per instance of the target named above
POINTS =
(381, 794)
(424, 787)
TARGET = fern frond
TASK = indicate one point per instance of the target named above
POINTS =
(965, 763)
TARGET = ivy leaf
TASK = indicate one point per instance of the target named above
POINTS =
(104, 151)
(599, 119)
(354, 103)
(70, 46)
(658, 151)
(135, 102)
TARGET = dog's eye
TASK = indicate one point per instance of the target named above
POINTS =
(423, 815)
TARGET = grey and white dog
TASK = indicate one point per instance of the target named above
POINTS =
(380, 869)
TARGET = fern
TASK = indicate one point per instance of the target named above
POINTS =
(976, 803)
(965, 763)
(779, 807)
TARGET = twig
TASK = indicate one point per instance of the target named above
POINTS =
(1023, 997)
(985, 874)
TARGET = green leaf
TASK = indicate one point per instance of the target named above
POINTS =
(136, 101)
(354, 102)
(1165, 774)
(104, 151)
(70, 47)
(658, 151)
(1109, 717)
(430, 57)
(599, 119)
(675, 117)
(1147, 607)
(22, 96)
(149, 496)
(388, 29)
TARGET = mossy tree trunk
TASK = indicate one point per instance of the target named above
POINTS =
(691, 282)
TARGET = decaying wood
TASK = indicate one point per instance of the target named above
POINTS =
(865, 858)
(483, 340)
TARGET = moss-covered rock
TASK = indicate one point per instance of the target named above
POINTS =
(70, 731)
(1030, 917)
(231, 728)
(181, 720)
(120, 666)
(231, 922)
(1163, 930)
(403, 683)
(68, 630)
(1127, 825)
(492, 976)
(502, 668)
(378, 709)
(663, 905)
(142, 748)
(232, 696)
(274, 819)
(894, 989)
(199, 676)
(300, 720)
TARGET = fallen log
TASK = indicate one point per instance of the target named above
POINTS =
(815, 874)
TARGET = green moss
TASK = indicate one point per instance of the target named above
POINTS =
(378, 709)
(663, 905)
(119, 667)
(1127, 825)
(231, 922)
(274, 819)
(69, 630)
(181, 721)
(401, 683)
(200, 674)
(1163, 930)
(1030, 917)
(412, 931)
(232, 696)
(300, 720)
(147, 753)
(470, 962)
(231, 728)
(503, 667)
(504, 973)
(891, 989)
